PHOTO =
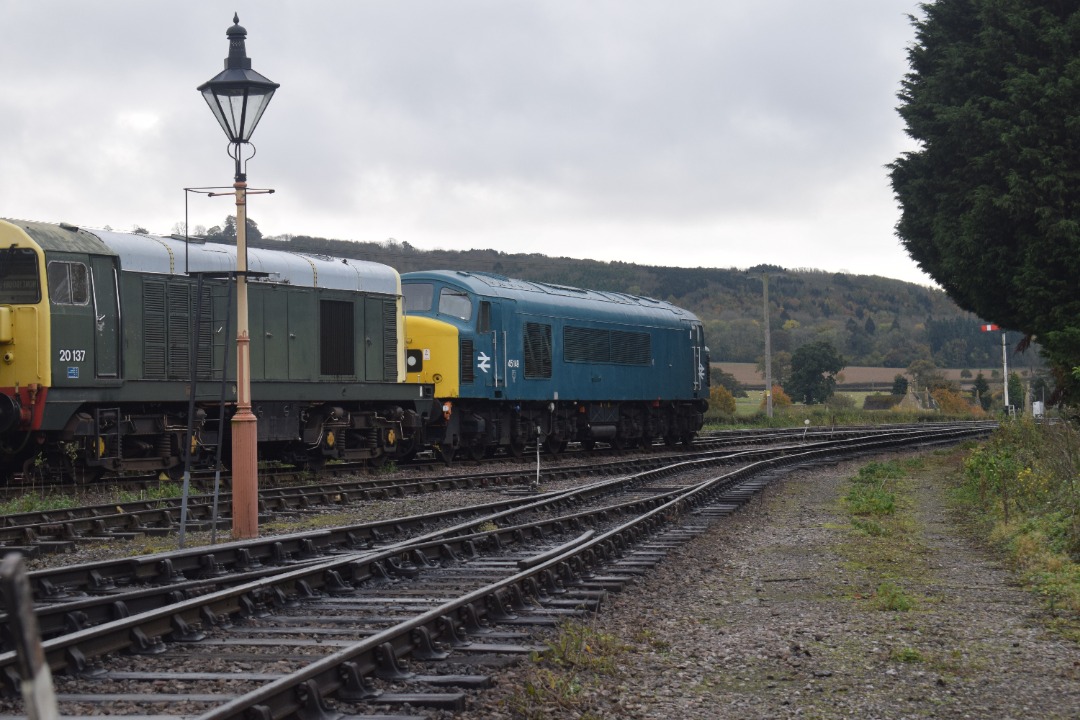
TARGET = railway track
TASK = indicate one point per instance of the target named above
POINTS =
(58, 531)
(385, 617)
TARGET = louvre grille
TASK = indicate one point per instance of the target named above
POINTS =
(606, 346)
(467, 362)
(389, 319)
(205, 347)
(537, 350)
(154, 330)
(631, 348)
(179, 330)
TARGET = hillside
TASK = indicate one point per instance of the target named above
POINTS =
(873, 321)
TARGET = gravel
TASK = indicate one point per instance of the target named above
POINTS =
(765, 616)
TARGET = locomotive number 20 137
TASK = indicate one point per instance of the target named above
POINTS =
(72, 355)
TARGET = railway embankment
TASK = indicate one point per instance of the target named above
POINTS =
(809, 603)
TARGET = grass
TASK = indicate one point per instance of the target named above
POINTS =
(48, 501)
(559, 683)
(847, 410)
(884, 545)
(890, 596)
(1021, 489)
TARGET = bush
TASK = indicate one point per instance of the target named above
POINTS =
(881, 402)
(721, 401)
(780, 399)
(1024, 478)
(951, 402)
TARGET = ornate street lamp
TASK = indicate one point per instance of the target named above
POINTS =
(238, 96)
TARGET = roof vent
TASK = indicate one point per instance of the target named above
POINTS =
(69, 227)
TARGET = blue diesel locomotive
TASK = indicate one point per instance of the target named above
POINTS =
(517, 362)
(98, 336)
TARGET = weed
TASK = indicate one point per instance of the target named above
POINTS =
(163, 491)
(581, 657)
(906, 655)
(869, 527)
(868, 500)
(580, 646)
(891, 597)
(38, 503)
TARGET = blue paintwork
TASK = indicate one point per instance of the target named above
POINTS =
(677, 368)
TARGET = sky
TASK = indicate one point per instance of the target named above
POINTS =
(692, 133)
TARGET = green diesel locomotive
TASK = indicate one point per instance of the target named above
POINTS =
(100, 333)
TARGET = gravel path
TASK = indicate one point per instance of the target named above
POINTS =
(774, 614)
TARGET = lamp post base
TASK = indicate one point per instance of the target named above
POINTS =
(245, 467)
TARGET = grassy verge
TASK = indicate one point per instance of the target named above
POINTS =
(1022, 490)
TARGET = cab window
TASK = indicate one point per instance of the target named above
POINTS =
(19, 282)
(69, 283)
(455, 303)
(418, 296)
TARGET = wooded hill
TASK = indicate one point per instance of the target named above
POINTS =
(871, 320)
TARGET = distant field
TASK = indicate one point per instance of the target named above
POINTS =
(871, 379)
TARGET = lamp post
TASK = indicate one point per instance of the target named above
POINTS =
(768, 349)
(238, 96)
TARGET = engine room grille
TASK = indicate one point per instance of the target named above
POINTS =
(168, 316)
(619, 347)
(537, 350)
(467, 362)
(390, 360)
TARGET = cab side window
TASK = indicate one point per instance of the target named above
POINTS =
(455, 303)
(69, 283)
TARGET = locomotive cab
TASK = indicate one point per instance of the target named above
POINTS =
(24, 368)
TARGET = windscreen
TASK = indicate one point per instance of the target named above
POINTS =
(19, 280)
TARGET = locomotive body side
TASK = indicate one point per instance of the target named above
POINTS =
(556, 362)
(327, 352)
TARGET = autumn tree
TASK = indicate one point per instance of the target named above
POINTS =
(990, 205)
(720, 400)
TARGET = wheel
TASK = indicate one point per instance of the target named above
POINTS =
(645, 443)
(516, 448)
(671, 440)
(618, 443)
(588, 444)
(475, 448)
(554, 446)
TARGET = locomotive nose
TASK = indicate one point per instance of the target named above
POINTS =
(9, 412)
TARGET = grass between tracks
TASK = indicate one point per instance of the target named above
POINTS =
(44, 501)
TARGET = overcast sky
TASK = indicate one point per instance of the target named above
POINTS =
(713, 133)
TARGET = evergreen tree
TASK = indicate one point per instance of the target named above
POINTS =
(990, 202)
(980, 390)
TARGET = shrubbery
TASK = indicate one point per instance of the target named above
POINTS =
(1025, 478)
